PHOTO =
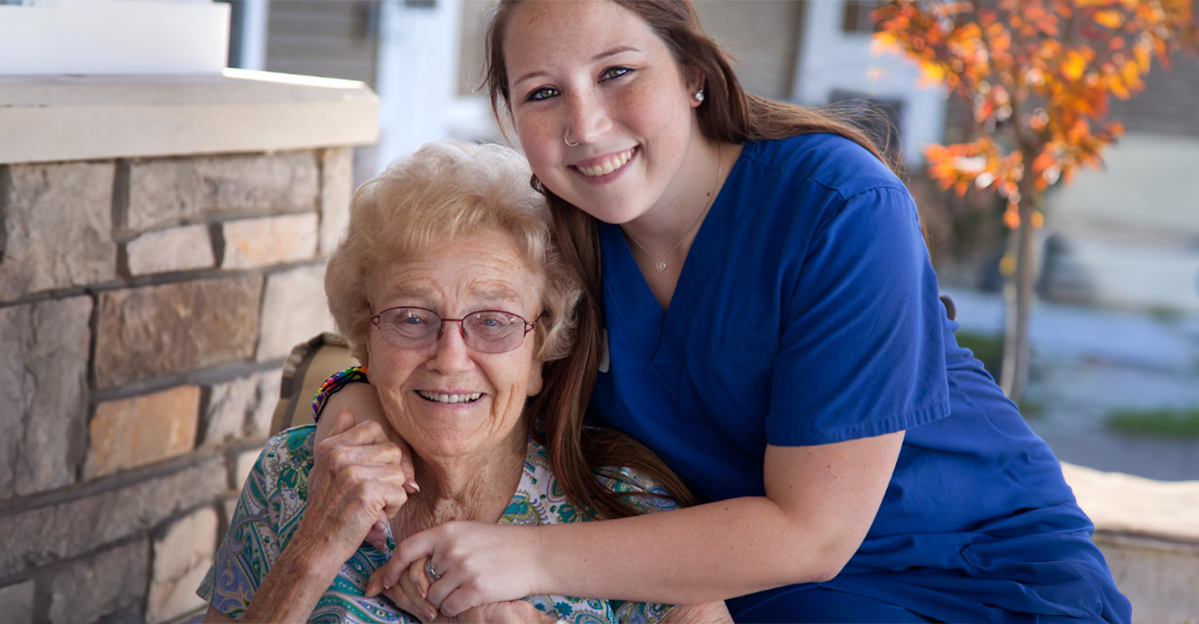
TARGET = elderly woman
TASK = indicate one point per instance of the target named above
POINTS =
(448, 286)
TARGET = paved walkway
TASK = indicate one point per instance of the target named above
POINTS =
(1087, 362)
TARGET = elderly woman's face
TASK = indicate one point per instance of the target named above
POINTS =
(449, 399)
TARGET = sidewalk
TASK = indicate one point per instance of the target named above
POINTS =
(1087, 362)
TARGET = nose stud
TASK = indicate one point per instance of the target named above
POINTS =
(566, 139)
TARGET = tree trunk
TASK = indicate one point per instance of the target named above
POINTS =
(1018, 294)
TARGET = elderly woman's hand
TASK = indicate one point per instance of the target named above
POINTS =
(414, 585)
(356, 480)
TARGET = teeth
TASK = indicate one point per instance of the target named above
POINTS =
(450, 398)
(608, 166)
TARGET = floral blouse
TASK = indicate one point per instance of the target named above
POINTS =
(273, 500)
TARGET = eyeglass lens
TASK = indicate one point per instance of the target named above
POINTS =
(488, 331)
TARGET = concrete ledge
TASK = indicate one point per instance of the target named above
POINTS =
(1121, 504)
(1149, 532)
(69, 117)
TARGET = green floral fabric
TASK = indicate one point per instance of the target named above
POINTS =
(273, 500)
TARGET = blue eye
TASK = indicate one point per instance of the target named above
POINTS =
(544, 93)
(615, 72)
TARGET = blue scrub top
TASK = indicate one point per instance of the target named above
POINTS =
(807, 313)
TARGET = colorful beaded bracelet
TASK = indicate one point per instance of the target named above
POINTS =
(333, 384)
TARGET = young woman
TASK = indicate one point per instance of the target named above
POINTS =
(772, 330)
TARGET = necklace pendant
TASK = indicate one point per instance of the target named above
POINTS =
(661, 266)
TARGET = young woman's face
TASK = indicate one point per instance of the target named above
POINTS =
(599, 72)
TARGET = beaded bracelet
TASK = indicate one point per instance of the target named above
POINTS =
(333, 384)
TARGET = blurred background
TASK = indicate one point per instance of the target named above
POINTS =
(174, 173)
(1114, 382)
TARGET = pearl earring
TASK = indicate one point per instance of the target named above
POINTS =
(699, 96)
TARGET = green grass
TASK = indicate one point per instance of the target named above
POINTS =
(1031, 409)
(987, 348)
(1166, 421)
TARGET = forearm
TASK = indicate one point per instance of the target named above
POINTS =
(820, 502)
(293, 585)
(690, 556)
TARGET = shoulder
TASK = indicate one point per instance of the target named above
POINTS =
(282, 468)
(292, 446)
(821, 160)
(792, 193)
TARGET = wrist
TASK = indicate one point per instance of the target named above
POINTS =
(540, 580)
(313, 556)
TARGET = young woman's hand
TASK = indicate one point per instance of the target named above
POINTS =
(479, 563)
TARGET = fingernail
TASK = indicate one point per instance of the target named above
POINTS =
(414, 485)
(430, 614)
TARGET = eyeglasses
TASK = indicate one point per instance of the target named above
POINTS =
(486, 331)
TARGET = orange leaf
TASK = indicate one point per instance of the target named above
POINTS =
(1111, 19)
(1074, 65)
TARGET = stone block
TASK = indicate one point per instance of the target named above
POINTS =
(99, 585)
(258, 426)
(161, 192)
(165, 192)
(47, 209)
(142, 430)
(154, 331)
(252, 243)
(224, 417)
(16, 603)
(294, 309)
(239, 409)
(182, 556)
(35, 537)
(337, 187)
(280, 182)
(43, 388)
(1158, 577)
(174, 249)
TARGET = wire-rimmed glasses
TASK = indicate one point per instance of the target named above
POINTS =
(486, 331)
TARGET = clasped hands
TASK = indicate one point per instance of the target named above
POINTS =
(363, 475)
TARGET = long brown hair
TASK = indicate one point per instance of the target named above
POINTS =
(729, 114)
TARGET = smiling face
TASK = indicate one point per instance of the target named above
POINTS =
(600, 72)
(448, 400)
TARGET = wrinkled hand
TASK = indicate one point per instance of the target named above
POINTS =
(514, 611)
(480, 564)
(363, 402)
(414, 584)
(356, 480)
(409, 594)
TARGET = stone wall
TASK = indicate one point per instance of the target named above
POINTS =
(146, 308)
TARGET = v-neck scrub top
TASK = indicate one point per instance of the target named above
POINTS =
(807, 313)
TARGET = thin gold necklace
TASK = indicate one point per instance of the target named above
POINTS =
(661, 262)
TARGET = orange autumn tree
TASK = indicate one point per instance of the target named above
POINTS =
(1039, 75)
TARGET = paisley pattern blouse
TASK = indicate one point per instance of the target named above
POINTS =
(273, 500)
